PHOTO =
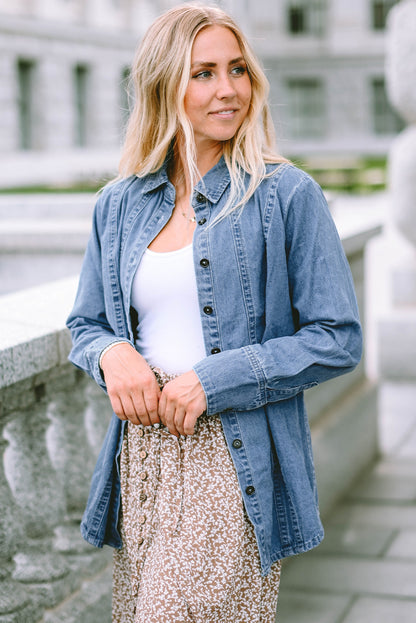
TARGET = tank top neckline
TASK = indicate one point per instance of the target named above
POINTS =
(168, 253)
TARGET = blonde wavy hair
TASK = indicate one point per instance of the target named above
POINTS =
(160, 75)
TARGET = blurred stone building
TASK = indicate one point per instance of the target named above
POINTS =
(325, 61)
(64, 66)
(63, 69)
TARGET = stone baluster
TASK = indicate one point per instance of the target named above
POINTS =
(73, 459)
(15, 604)
(40, 499)
(68, 447)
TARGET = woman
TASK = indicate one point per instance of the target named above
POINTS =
(214, 291)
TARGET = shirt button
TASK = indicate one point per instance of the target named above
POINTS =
(142, 454)
(143, 475)
(204, 262)
(140, 432)
(250, 490)
(202, 221)
(237, 443)
(142, 519)
(140, 540)
(143, 497)
(208, 310)
(214, 351)
(200, 198)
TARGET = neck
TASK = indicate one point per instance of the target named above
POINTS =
(207, 156)
(179, 175)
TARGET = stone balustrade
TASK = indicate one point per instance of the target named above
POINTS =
(53, 419)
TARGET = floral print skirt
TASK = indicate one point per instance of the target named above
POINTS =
(189, 552)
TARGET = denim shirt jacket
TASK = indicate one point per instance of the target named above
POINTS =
(278, 314)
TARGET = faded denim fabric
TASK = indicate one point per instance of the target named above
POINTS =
(278, 313)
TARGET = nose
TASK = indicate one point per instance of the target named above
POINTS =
(225, 87)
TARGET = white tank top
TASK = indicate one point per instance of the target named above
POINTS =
(164, 294)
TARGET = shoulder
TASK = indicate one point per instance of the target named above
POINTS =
(291, 194)
(285, 182)
(287, 179)
(116, 189)
(112, 196)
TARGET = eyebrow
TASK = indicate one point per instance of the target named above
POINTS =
(208, 64)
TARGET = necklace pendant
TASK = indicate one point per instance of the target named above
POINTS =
(191, 219)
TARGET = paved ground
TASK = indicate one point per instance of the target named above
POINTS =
(365, 570)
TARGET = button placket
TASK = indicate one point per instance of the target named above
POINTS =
(171, 520)
(144, 478)
(205, 278)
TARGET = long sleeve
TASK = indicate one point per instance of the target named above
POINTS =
(91, 328)
(326, 340)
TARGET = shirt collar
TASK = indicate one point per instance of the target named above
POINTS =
(212, 185)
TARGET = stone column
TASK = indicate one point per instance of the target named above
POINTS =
(56, 93)
(397, 331)
(9, 122)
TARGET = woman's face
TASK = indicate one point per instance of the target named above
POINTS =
(219, 91)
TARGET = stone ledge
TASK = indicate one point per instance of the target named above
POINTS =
(44, 235)
(36, 338)
(58, 167)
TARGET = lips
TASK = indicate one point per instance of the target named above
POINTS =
(224, 112)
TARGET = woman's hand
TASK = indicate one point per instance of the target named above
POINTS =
(181, 403)
(132, 387)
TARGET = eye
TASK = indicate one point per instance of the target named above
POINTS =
(202, 75)
(239, 70)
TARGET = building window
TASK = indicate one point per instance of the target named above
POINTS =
(306, 108)
(380, 9)
(306, 17)
(81, 104)
(385, 119)
(297, 22)
(25, 79)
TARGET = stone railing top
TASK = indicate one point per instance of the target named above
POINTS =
(33, 337)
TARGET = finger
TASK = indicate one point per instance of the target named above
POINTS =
(161, 409)
(169, 418)
(178, 419)
(131, 412)
(189, 423)
(151, 402)
(138, 409)
(117, 407)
